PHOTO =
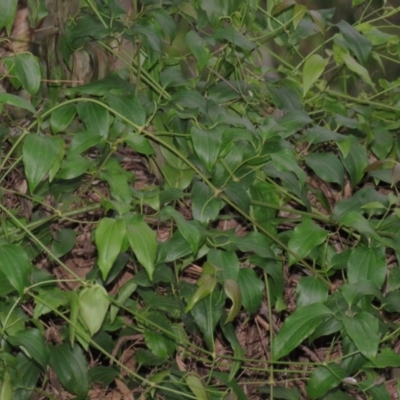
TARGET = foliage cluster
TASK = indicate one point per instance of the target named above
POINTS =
(156, 220)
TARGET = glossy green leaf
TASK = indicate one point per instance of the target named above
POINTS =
(363, 329)
(206, 287)
(206, 144)
(311, 290)
(367, 263)
(62, 117)
(312, 70)
(33, 341)
(143, 242)
(197, 386)
(93, 307)
(71, 369)
(357, 43)
(323, 379)
(95, 117)
(326, 166)
(156, 342)
(139, 143)
(298, 327)
(39, 154)
(306, 236)
(109, 237)
(251, 288)
(15, 265)
(129, 107)
(232, 290)
(16, 101)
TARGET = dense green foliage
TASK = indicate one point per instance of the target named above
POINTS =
(218, 219)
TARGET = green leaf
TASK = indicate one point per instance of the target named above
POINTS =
(363, 329)
(367, 263)
(129, 107)
(33, 341)
(206, 145)
(311, 290)
(230, 34)
(157, 343)
(226, 263)
(386, 358)
(62, 117)
(188, 229)
(39, 154)
(239, 196)
(109, 237)
(74, 166)
(355, 292)
(6, 391)
(143, 242)
(197, 386)
(251, 288)
(206, 287)
(324, 379)
(205, 204)
(297, 327)
(95, 117)
(232, 290)
(124, 293)
(355, 162)
(312, 70)
(8, 9)
(139, 143)
(64, 241)
(15, 265)
(198, 48)
(357, 43)
(27, 71)
(16, 101)
(71, 369)
(306, 236)
(326, 166)
(93, 306)
(354, 66)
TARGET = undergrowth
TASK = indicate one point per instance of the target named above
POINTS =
(216, 218)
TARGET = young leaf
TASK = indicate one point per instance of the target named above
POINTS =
(207, 285)
(363, 329)
(93, 306)
(312, 70)
(71, 369)
(109, 237)
(232, 290)
(143, 242)
(297, 327)
(197, 386)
